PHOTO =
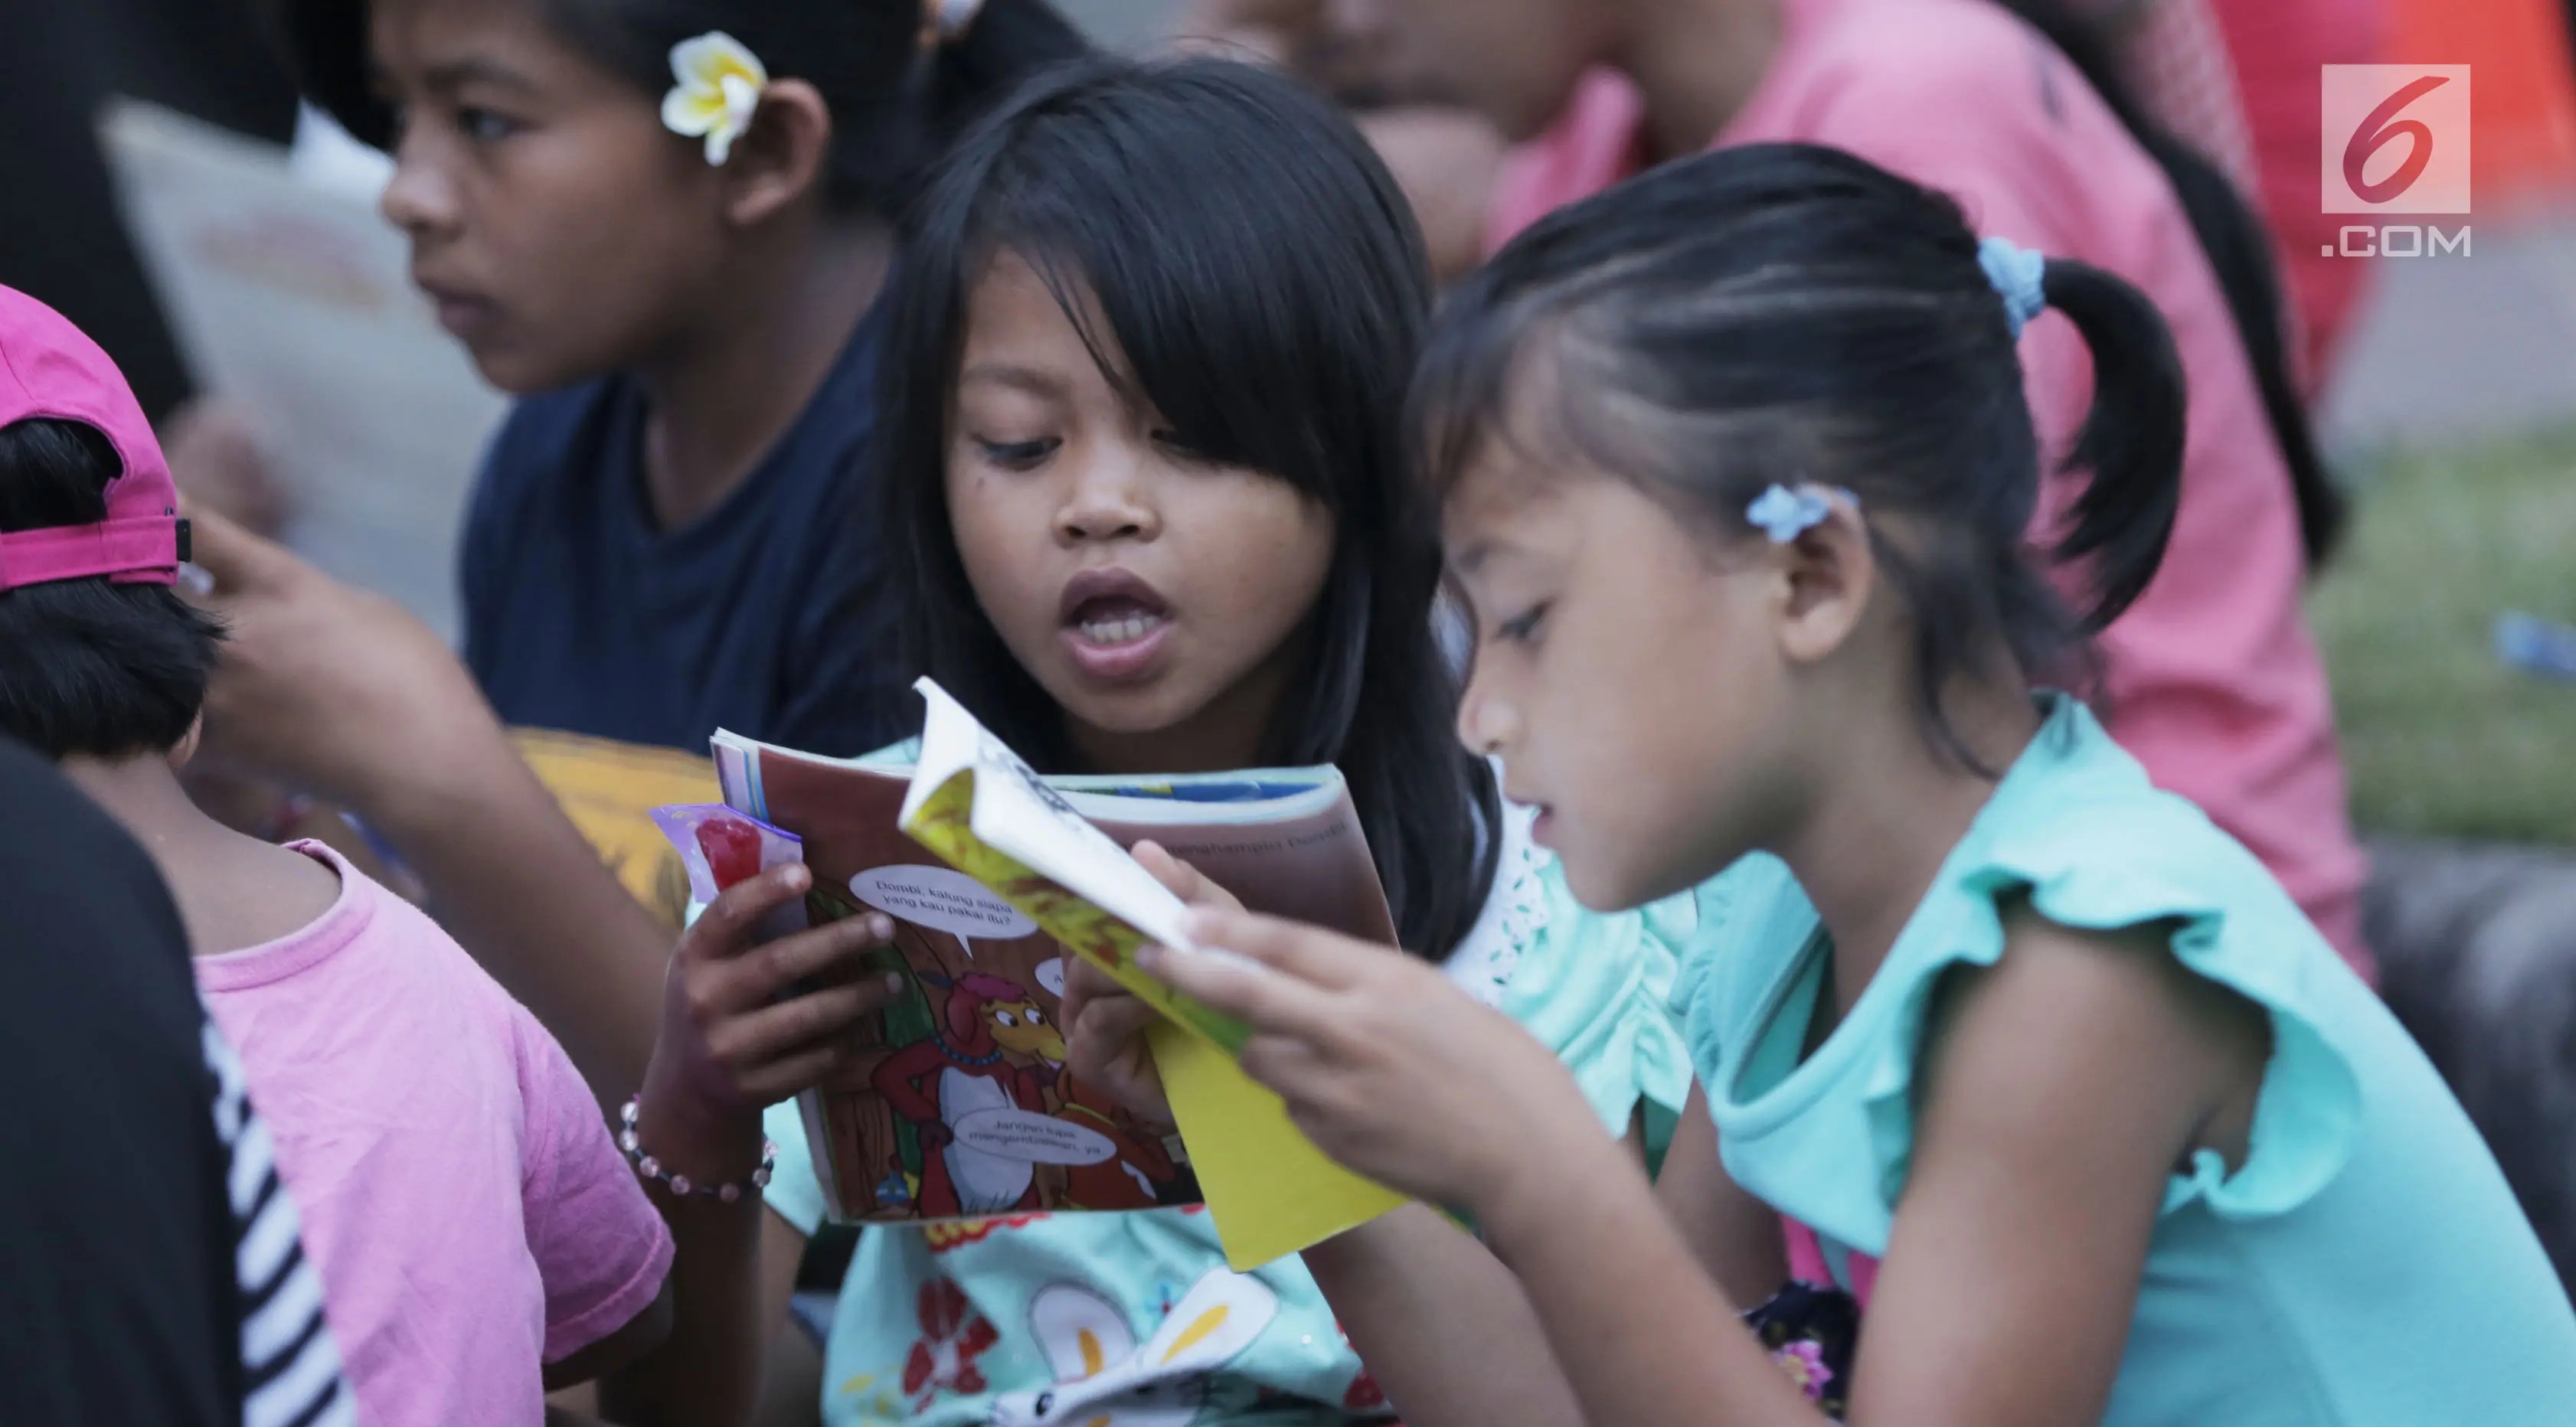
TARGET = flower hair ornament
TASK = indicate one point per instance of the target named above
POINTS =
(2019, 276)
(719, 81)
(1786, 512)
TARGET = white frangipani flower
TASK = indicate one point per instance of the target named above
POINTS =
(719, 87)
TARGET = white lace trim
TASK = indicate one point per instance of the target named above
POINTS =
(1515, 913)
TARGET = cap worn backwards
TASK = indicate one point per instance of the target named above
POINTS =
(49, 368)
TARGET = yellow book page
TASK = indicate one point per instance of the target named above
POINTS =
(610, 790)
(1270, 1191)
(944, 824)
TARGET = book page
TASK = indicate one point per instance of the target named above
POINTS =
(294, 300)
(958, 1103)
(1017, 814)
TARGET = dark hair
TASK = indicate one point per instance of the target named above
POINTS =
(89, 666)
(892, 104)
(2239, 248)
(1787, 313)
(1261, 274)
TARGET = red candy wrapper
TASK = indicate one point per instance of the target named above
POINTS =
(721, 846)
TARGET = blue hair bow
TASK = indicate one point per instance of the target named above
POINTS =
(1784, 513)
(2018, 274)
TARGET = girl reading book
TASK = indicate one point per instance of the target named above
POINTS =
(2040, 1066)
(1144, 514)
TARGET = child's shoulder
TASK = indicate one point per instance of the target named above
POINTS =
(2077, 823)
(246, 895)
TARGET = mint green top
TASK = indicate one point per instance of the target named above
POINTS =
(1116, 1315)
(2365, 1267)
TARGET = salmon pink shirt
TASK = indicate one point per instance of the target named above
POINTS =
(2214, 681)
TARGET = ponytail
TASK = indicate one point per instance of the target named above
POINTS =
(2131, 441)
(2239, 248)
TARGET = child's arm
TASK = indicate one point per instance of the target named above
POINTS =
(740, 1033)
(1447, 1330)
(340, 693)
(2059, 1090)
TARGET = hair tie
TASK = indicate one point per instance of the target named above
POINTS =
(2019, 275)
(718, 87)
(1784, 513)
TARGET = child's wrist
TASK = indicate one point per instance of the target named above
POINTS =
(647, 1145)
(1530, 1195)
(685, 1135)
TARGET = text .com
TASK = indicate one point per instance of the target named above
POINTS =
(2396, 146)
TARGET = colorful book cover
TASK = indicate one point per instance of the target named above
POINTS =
(961, 1106)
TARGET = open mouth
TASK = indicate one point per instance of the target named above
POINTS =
(1114, 624)
(1109, 624)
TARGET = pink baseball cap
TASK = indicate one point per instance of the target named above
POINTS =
(49, 368)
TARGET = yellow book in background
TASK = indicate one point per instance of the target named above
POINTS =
(610, 790)
(978, 806)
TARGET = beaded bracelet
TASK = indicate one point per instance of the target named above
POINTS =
(680, 1184)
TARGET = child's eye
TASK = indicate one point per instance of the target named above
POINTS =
(1017, 455)
(1522, 629)
(483, 126)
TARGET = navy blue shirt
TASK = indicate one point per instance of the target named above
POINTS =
(760, 616)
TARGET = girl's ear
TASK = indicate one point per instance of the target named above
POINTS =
(1831, 572)
(781, 158)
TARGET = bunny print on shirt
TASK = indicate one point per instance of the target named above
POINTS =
(1103, 1379)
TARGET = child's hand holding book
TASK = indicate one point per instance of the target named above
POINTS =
(748, 1022)
(1392, 1069)
(1105, 1023)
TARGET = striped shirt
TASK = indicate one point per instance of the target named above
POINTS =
(290, 1365)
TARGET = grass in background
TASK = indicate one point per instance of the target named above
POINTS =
(2442, 739)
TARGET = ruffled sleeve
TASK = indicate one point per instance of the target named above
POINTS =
(2232, 925)
(1594, 987)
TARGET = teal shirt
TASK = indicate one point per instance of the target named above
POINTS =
(2365, 1267)
(955, 1324)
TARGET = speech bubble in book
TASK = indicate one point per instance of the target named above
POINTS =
(943, 900)
(1050, 974)
(1038, 1139)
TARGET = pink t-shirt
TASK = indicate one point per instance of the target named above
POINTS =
(469, 1215)
(2215, 683)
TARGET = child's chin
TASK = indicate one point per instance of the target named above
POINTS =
(1600, 888)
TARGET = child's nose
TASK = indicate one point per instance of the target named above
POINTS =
(1486, 724)
(1107, 505)
(420, 200)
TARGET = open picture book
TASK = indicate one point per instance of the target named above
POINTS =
(960, 1104)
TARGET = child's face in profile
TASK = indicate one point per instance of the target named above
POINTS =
(1632, 684)
(561, 231)
(1154, 595)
